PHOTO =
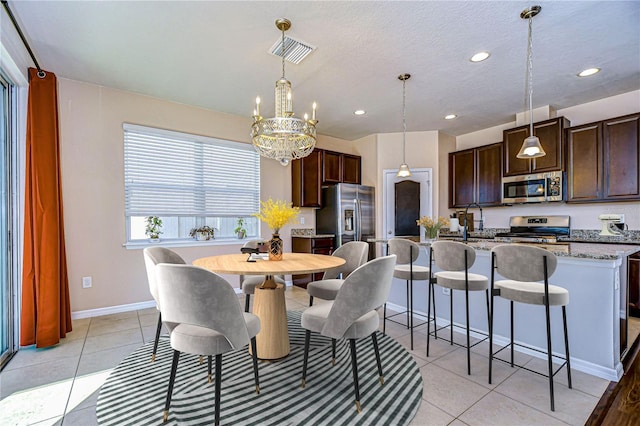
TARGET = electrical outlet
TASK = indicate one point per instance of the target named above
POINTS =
(86, 282)
(446, 291)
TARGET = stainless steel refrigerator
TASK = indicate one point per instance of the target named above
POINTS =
(348, 212)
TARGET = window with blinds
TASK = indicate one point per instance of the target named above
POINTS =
(189, 181)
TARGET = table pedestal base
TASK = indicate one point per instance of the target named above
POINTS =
(272, 342)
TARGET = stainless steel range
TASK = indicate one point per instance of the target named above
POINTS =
(535, 229)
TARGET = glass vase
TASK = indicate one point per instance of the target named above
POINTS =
(275, 247)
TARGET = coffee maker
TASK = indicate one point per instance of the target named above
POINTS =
(612, 224)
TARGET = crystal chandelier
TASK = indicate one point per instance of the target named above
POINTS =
(403, 170)
(531, 147)
(283, 137)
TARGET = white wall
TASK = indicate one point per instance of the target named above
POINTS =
(583, 216)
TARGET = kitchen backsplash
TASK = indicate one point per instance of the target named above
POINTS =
(302, 232)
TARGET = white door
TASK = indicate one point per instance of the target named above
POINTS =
(423, 176)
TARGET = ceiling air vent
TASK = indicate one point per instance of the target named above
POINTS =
(294, 51)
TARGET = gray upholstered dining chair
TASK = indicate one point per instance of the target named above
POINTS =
(152, 257)
(353, 314)
(454, 259)
(527, 270)
(406, 269)
(248, 283)
(355, 254)
(201, 311)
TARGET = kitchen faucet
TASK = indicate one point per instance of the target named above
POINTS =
(480, 225)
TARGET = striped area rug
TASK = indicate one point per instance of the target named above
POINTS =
(135, 391)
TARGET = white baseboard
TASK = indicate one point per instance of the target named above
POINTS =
(611, 374)
(89, 313)
(112, 309)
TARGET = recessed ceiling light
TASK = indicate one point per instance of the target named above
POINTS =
(359, 112)
(480, 56)
(450, 117)
(588, 72)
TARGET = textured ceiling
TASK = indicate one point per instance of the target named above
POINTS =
(215, 55)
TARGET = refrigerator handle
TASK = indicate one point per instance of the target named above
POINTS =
(358, 215)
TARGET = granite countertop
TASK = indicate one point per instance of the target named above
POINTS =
(581, 250)
(313, 236)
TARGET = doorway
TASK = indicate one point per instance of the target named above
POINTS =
(420, 176)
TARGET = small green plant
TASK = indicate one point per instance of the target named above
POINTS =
(240, 231)
(154, 227)
(202, 232)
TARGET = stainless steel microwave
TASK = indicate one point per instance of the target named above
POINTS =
(534, 188)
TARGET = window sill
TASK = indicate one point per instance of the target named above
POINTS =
(141, 244)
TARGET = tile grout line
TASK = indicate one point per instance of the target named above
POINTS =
(75, 374)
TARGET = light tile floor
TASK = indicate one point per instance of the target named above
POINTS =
(61, 385)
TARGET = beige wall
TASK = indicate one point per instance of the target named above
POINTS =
(91, 137)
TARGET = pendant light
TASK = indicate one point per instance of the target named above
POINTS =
(531, 147)
(404, 170)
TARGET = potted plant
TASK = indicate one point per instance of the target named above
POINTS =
(202, 233)
(240, 231)
(153, 228)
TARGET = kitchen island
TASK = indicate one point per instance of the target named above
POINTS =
(594, 274)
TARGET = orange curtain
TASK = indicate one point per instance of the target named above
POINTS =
(46, 315)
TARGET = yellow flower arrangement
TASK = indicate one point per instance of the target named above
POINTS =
(276, 214)
(431, 226)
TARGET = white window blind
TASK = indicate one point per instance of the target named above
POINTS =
(177, 174)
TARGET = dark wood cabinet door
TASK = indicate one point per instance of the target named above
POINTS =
(351, 169)
(584, 163)
(331, 167)
(550, 134)
(461, 178)
(512, 140)
(621, 158)
(305, 180)
(489, 175)
(322, 245)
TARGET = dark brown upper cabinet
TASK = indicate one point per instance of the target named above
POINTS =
(321, 167)
(550, 133)
(306, 174)
(331, 167)
(603, 160)
(475, 176)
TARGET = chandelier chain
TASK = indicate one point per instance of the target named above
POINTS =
(283, 53)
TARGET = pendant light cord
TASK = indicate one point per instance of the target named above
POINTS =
(530, 74)
(41, 73)
(404, 122)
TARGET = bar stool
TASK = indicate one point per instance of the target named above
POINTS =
(524, 267)
(407, 252)
(455, 259)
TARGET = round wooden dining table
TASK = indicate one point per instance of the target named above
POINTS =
(272, 342)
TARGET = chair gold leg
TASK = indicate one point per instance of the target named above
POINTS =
(258, 389)
(165, 416)
(333, 361)
(153, 358)
(201, 360)
(304, 382)
(358, 409)
(209, 378)
(381, 380)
